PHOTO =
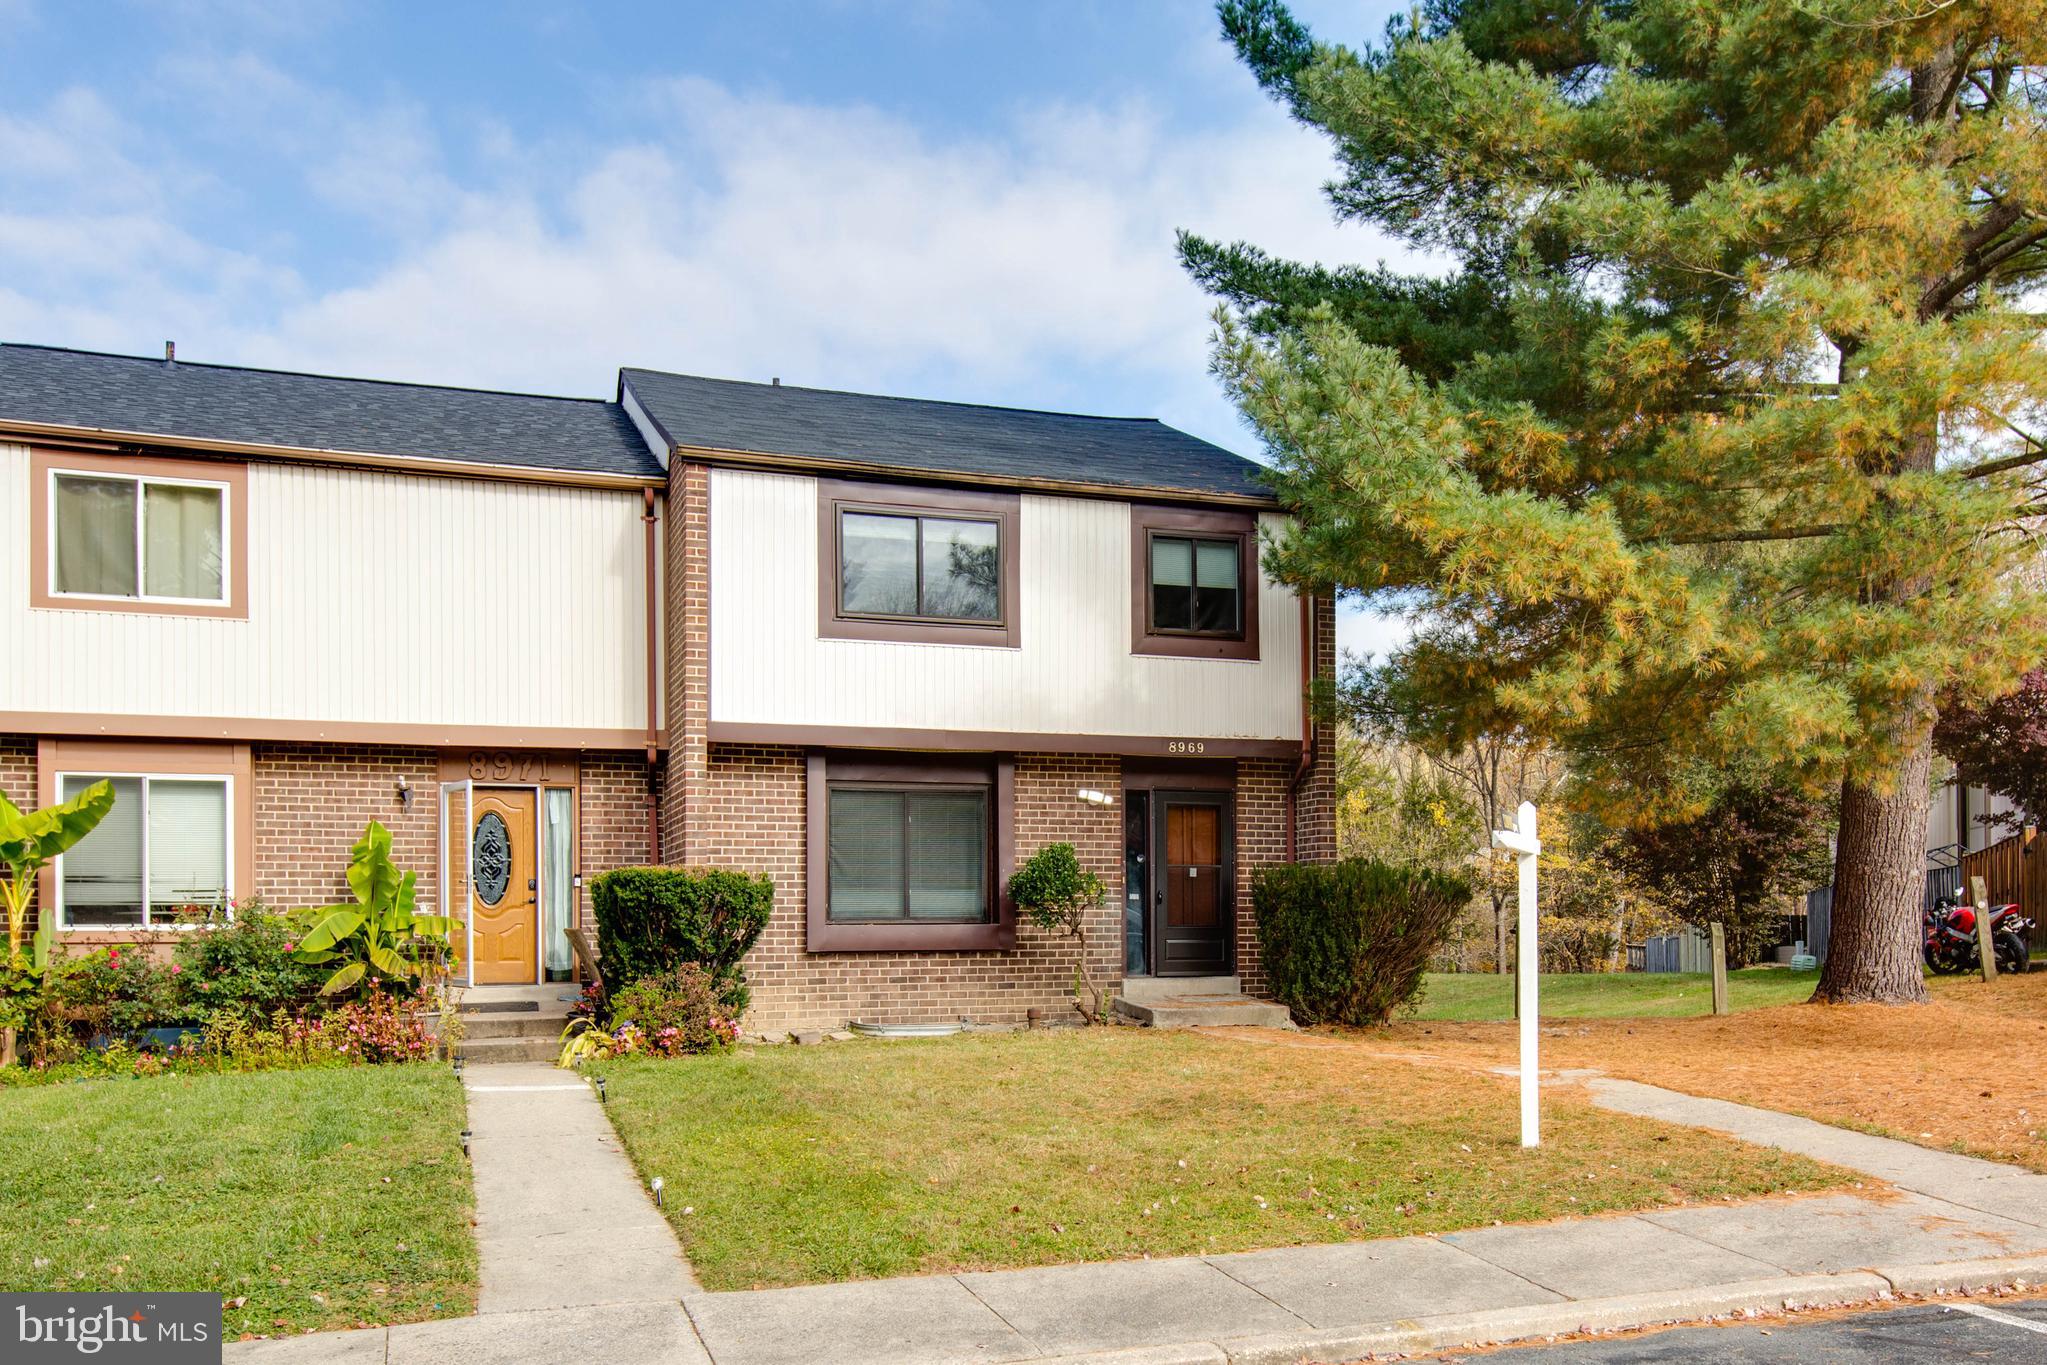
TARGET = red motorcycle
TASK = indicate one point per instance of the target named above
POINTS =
(1950, 944)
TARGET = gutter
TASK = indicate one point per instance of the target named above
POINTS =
(653, 705)
(1306, 762)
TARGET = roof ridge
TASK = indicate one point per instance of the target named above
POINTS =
(305, 374)
(889, 397)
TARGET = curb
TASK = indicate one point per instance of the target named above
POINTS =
(1627, 1312)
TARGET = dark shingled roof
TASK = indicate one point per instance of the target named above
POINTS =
(942, 438)
(316, 412)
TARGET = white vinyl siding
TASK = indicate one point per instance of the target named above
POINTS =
(375, 597)
(1074, 672)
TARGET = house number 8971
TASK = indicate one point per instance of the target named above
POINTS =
(1186, 746)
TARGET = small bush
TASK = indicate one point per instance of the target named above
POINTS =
(1347, 942)
(116, 992)
(245, 968)
(678, 1013)
(651, 920)
(1055, 893)
(380, 1026)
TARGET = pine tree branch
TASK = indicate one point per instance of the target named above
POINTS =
(1748, 537)
(1981, 265)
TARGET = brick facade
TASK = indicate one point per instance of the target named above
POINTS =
(752, 817)
(312, 801)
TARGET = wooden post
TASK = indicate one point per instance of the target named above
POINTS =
(1986, 946)
(1719, 967)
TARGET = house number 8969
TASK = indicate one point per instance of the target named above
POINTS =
(1186, 746)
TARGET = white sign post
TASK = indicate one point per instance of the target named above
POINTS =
(1526, 848)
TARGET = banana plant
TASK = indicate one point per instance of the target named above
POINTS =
(29, 842)
(382, 931)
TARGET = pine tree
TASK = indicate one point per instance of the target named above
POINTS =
(1718, 439)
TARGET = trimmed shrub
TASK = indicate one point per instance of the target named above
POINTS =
(651, 920)
(1347, 942)
(678, 1013)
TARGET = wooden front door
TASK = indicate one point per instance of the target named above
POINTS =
(1194, 884)
(504, 914)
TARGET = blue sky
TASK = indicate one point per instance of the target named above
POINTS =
(970, 199)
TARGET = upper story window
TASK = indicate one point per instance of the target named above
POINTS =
(919, 568)
(137, 537)
(1196, 586)
(1194, 589)
(138, 534)
(935, 566)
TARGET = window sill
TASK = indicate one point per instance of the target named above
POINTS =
(910, 938)
(1196, 647)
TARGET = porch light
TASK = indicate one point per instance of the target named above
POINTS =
(404, 794)
(1090, 796)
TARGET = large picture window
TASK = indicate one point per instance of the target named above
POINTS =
(163, 847)
(936, 566)
(909, 851)
(909, 855)
(1194, 583)
(139, 534)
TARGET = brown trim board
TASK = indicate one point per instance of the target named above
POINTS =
(90, 725)
(233, 474)
(994, 741)
(162, 442)
(93, 755)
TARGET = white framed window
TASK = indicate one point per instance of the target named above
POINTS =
(166, 844)
(139, 537)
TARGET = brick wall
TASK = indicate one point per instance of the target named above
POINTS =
(687, 684)
(18, 779)
(312, 801)
(753, 818)
(1315, 816)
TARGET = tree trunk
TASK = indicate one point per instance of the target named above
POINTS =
(1880, 885)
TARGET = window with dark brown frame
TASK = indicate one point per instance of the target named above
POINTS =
(905, 563)
(908, 852)
(1194, 583)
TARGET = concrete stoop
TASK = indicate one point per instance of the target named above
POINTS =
(1204, 1011)
(512, 1024)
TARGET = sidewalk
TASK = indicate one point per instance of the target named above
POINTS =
(1953, 1222)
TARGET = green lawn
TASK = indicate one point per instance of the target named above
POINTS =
(792, 1165)
(325, 1198)
(1473, 996)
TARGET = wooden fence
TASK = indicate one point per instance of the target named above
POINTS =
(2013, 869)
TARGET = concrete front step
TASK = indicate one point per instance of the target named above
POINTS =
(1145, 989)
(482, 1050)
(514, 1025)
(1204, 1011)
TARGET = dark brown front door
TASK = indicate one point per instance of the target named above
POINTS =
(1194, 887)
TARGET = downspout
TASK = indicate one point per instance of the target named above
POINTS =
(653, 704)
(1306, 762)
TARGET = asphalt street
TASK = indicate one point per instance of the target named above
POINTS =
(2001, 1330)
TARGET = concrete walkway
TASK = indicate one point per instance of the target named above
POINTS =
(1954, 1222)
(573, 1252)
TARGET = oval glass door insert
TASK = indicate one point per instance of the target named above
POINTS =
(492, 858)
